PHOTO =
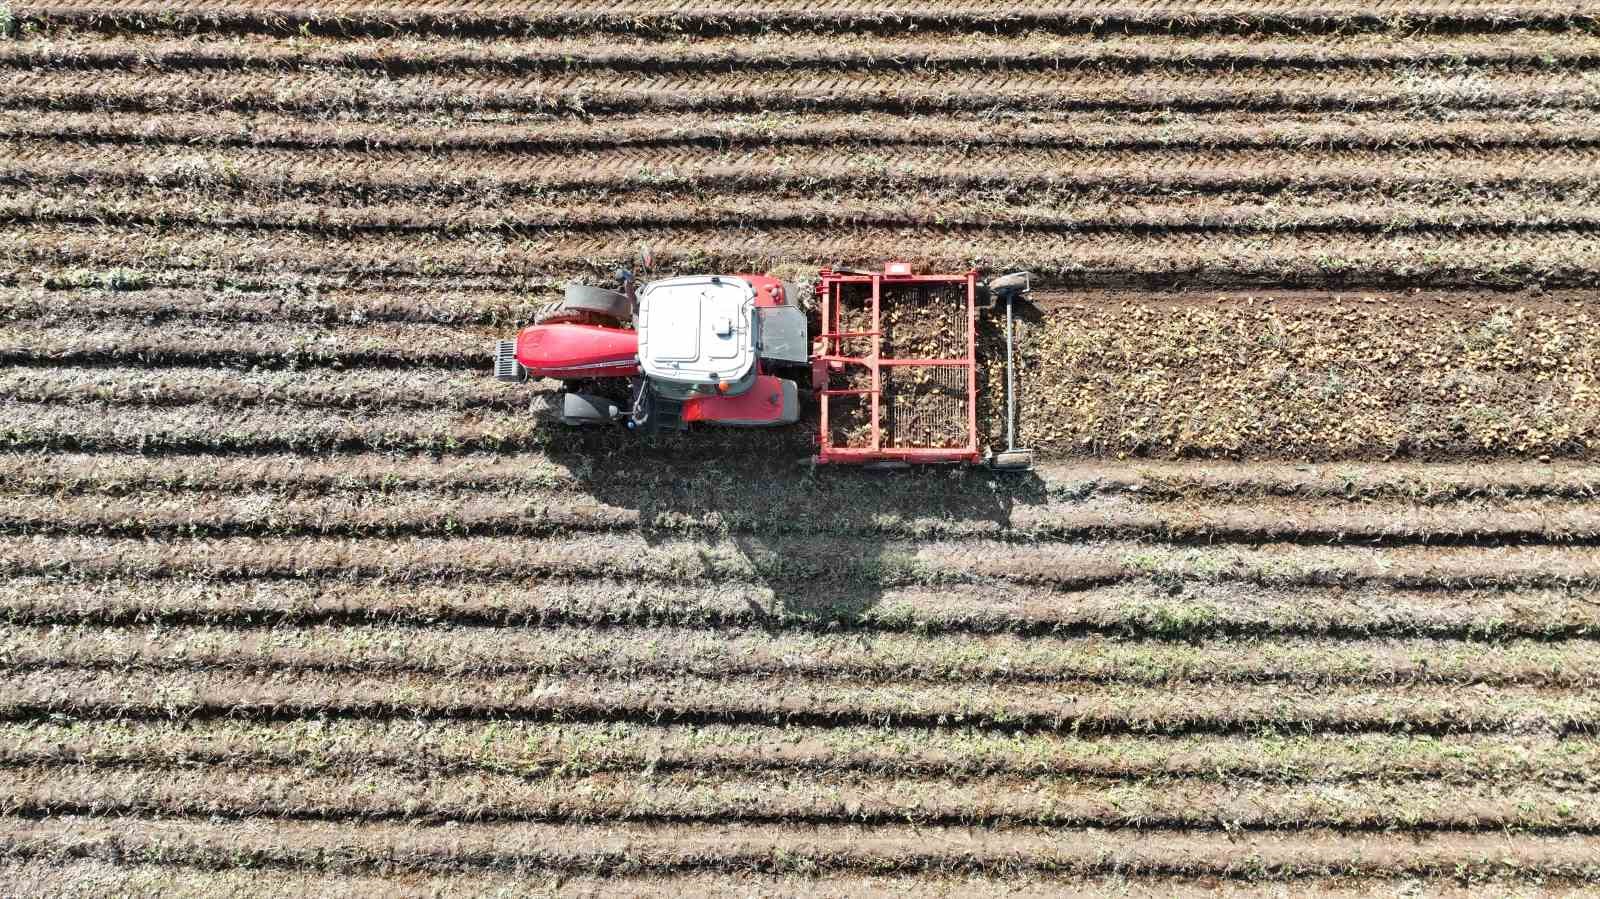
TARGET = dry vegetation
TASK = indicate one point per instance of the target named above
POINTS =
(1304, 600)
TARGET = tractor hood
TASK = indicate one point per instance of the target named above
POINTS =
(697, 330)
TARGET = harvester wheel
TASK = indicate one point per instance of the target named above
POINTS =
(1012, 460)
(886, 465)
(1013, 281)
(598, 301)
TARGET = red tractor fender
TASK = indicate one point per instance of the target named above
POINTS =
(568, 351)
(772, 401)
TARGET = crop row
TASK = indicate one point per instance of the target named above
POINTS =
(1399, 130)
(476, 17)
(1558, 257)
(50, 868)
(794, 796)
(239, 344)
(1266, 89)
(443, 177)
(885, 657)
(536, 748)
(1446, 208)
(1242, 708)
(798, 511)
(1132, 608)
(1020, 52)
(109, 296)
(55, 175)
(225, 388)
(660, 847)
(1428, 484)
(801, 565)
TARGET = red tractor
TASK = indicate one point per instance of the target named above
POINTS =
(894, 365)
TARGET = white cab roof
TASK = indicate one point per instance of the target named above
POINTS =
(697, 329)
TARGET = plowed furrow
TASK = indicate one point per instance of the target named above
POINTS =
(668, 16)
(1286, 132)
(1017, 52)
(535, 748)
(316, 388)
(798, 566)
(1264, 90)
(1133, 608)
(268, 345)
(844, 798)
(1122, 708)
(83, 296)
(1424, 208)
(1559, 258)
(1428, 484)
(747, 847)
(797, 172)
(624, 652)
(201, 429)
(389, 511)
(268, 878)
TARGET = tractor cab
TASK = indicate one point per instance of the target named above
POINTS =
(697, 336)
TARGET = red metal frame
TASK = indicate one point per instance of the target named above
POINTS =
(830, 356)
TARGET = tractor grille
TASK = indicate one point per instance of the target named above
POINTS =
(506, 366)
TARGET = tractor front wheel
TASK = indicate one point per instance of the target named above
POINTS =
(598, 301)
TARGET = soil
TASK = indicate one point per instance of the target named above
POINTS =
(1302, 597)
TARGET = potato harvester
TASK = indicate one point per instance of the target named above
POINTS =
(893, 367)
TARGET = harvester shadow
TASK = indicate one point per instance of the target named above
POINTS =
(821, 544)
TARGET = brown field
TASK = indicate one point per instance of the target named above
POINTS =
(1303, 597)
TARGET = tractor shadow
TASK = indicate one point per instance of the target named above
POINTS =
(825, 542)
